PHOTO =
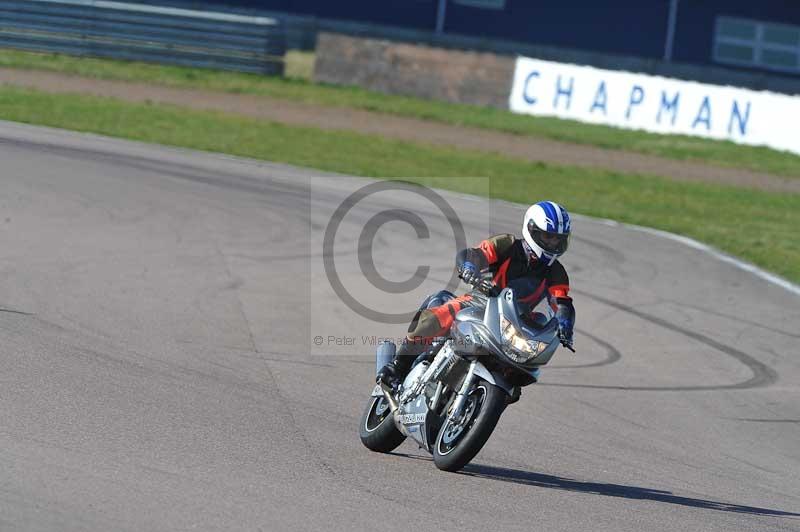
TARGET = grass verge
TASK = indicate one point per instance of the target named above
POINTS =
(758, 226)
(299, 88)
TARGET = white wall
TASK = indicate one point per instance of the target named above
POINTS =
(656, 104)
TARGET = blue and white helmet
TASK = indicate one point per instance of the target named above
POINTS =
(546, 229)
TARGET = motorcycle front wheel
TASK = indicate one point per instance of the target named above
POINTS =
(458, 442)
(378, 432)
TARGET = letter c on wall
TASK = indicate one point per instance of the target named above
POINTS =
(530, 100)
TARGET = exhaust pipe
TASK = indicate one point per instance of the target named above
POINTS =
(385, 354)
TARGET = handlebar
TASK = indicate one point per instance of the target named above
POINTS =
(487, 288)
(481, 284)
(566, 343)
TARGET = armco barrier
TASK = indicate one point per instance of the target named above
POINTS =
(130, 31)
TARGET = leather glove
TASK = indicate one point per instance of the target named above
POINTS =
(565, 333)
(469, 273)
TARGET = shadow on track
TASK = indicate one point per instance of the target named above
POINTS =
(540, 480)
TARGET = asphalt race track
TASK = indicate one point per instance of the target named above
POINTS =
(158, 369)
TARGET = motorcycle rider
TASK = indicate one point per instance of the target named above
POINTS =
(529, 265)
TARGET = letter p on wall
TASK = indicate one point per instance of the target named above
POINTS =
(636, 98)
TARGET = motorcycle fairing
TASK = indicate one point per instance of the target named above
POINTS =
(414, 418)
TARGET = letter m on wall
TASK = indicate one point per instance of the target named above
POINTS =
(669, 106)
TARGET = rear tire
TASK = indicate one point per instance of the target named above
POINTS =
(457, 444)
(377, 430)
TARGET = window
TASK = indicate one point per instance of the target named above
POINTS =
(758, 44)
(734, 53)
(484, 4)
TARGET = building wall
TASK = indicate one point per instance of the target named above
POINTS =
(629, 28)
(617, 27)
(415, 14)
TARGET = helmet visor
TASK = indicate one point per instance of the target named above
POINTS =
(555, 243)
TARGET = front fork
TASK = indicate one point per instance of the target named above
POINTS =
(458, 405)
(387, 393)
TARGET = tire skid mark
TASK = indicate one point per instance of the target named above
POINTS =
(763, 375)
(614, 355)
(12, 311)
(173, 169)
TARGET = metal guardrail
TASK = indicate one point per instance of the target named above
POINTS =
(140, 32)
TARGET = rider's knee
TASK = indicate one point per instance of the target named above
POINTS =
(425, 325)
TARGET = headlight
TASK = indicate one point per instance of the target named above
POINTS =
(521, 349)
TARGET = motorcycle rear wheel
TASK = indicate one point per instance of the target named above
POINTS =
(377, 429)
(458, 443)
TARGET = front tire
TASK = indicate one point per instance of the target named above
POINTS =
(458, 443)
(377, 430)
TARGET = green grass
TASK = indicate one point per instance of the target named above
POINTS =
(758, 226)
(299, 88)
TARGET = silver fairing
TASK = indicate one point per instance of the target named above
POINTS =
(472, 338)
(548, 334)
(478, 330)
(470, 314)
(412, 415)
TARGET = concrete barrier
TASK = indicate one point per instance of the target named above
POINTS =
(414, 70)
(656, 104)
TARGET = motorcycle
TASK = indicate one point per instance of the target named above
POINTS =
(456, 391)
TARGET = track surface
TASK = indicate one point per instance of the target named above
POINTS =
(157, 370)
